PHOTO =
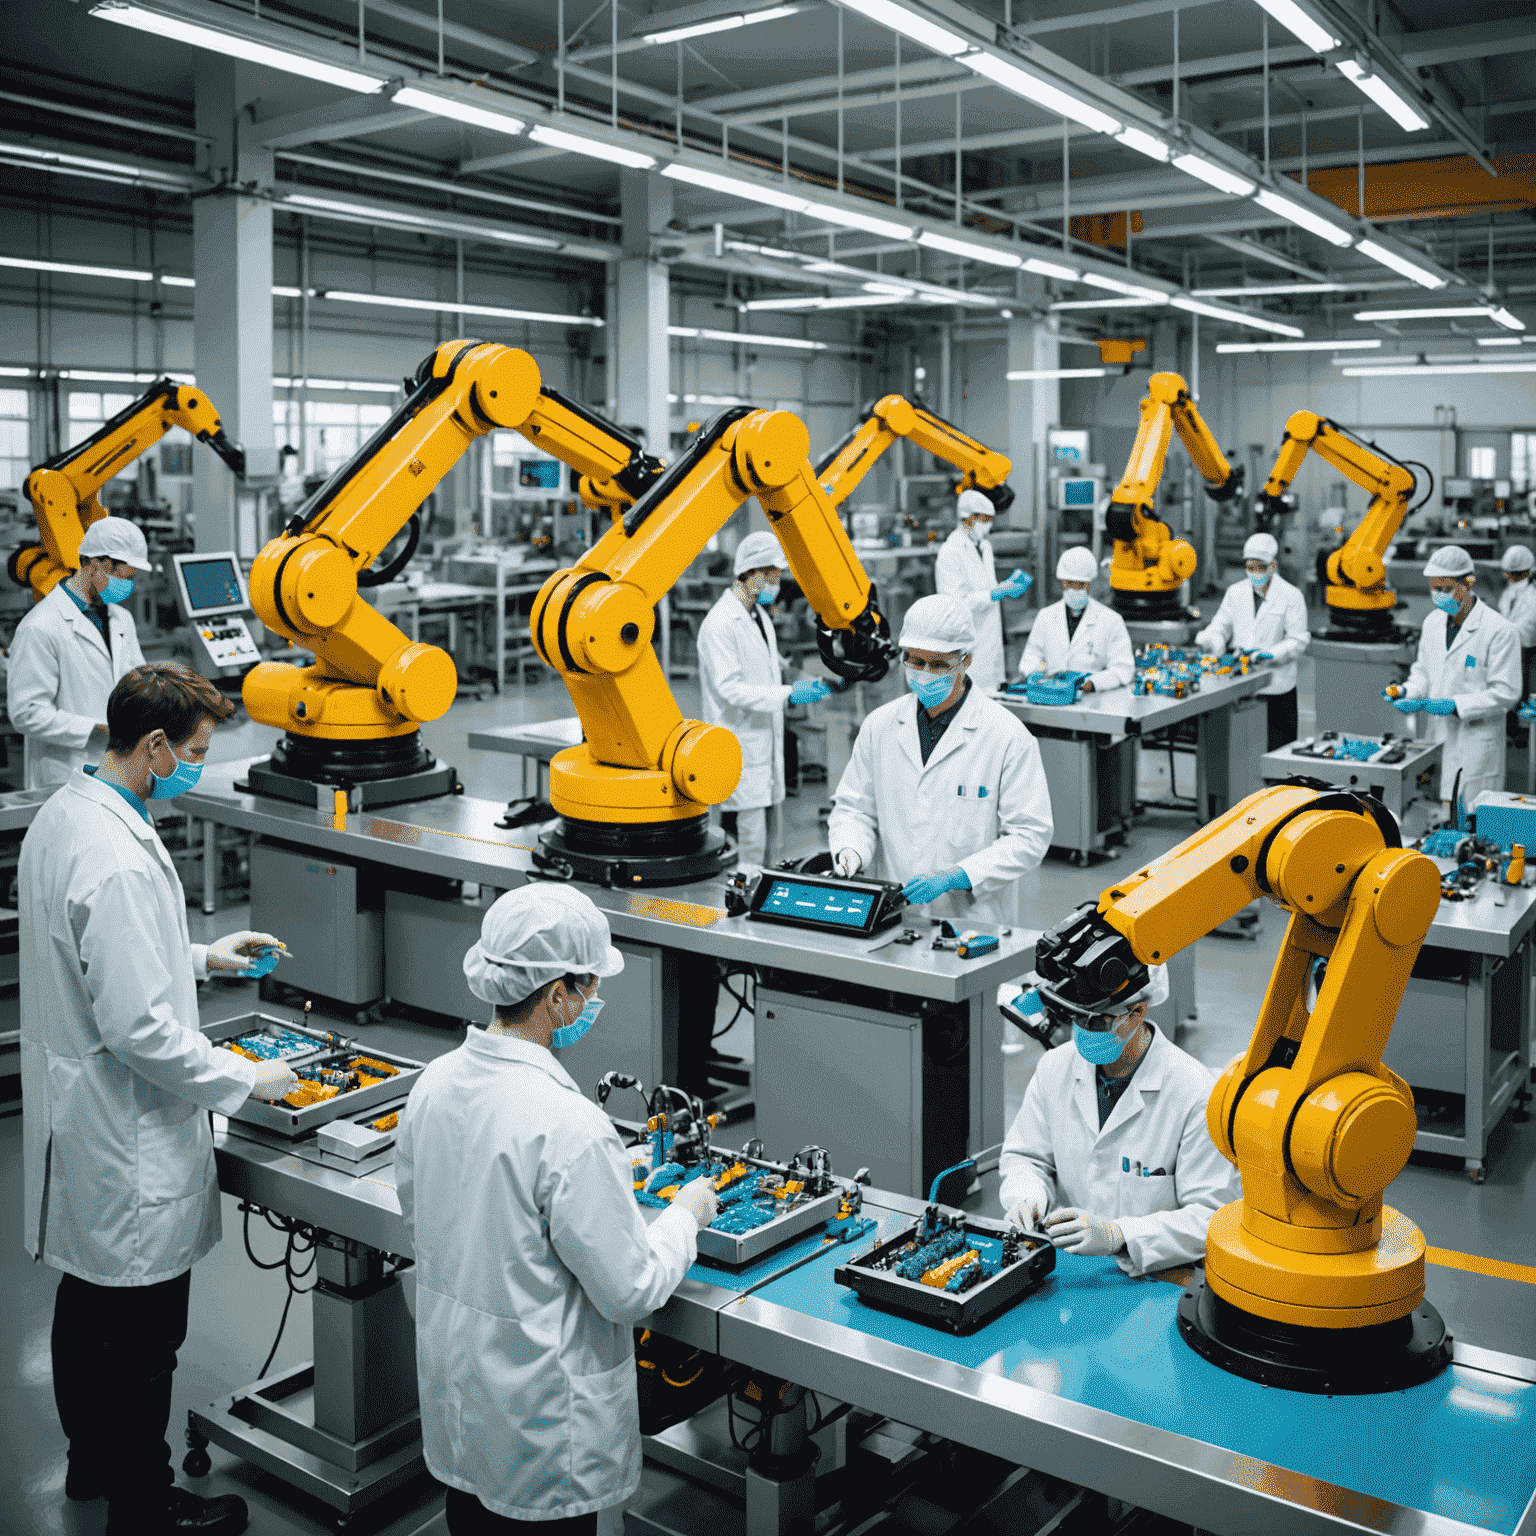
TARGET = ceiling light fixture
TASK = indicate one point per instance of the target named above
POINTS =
(443, 306)
(558, 138)
(1445, 312)
(353, 386)
(96, 376)
(869, 223)
(720, 24)
(1400, 264)
(1266, 290)
(1302, 218)
(1501, 316)
(1161, 298)
(746, 338)
(458, 111)
(897, 18)
(734, 186)
(1144, 143)
(1425, 370)
(1213, 175)
(819, 301)
(1297, 346)
(368, 213)
(1402, 111)
(85, 165)
(1300, 25)
(76, 269)
(162, 27)
(168, 280)
(1130, 290)
(1234, 316)
(1054, 100)
(996, 255)
(1030, 375)
(1043, 268)
(1499, 341)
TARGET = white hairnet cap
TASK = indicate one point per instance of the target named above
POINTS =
(1261, 546)
(1077, 564)
(938, 623)
(117, 539)
(535, 935)
(1518, 558)
(1449, 560)
(971, 503)
(757, 550)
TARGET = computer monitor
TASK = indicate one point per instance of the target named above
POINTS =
(210, 583)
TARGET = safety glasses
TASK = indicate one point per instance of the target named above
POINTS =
(937, 668)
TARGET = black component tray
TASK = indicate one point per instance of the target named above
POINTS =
(960, 1313)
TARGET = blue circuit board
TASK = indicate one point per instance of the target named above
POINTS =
(1357, 751)
(276, 1044)
(744, 1205)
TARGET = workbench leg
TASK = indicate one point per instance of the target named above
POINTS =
(987, 1107)
(1479, 1024)
(1203, 750)
(210, 868)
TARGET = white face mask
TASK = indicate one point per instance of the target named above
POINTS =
(1075, 600)
(978, 530)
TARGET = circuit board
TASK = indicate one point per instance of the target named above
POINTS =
(950, 1270)
(1177, 671)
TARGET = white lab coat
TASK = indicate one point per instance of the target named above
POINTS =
(533, 1264)
(981, 803)
(1482, 673)
(60, 680)
(1517, 603)
(1278, 625)
(744, 690)
(116, 1077)
(967, 570)
(1056, 1155)
(1101, 645)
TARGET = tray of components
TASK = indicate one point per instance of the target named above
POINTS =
(1050, 687)
(829, 903)
(338, 1078)
(1335, 746)
(763, 1204)
(949, 1269)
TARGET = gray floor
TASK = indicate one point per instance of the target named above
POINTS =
(235, 1307)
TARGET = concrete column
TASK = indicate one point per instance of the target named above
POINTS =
(1034, 406)
(638, 349)
(232, 307)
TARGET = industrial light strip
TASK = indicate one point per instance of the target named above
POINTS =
(1299, 346)
(746, 338)
(1190, 305)
(1426, 370)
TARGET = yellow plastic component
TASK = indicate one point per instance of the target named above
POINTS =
(386, 1122)
(1147, 557)
(941, 1274)
(732, 1175)
(1120, 350)
(667, 1191)
(308, 1093)
(1318, 1140)
(1357, 573)
(787, 1188)
(1516, 870)
(64, 490)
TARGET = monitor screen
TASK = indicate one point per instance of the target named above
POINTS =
(212, 583)
(540, 474)
(818, 904)
(1077, 493)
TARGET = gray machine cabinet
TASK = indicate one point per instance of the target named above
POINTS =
(424, 943)
(312, 902)
(1093, 787)
(1234, 741)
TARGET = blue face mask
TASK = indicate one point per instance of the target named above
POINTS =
(1074, 599)
(1259, 582)
(568, 1034)
(1100, 1046)
(182, 778)
(1446, 602)
(931, 690)
(117, 590)
(769, 595)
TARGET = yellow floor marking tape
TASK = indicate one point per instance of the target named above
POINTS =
(1498, 1269)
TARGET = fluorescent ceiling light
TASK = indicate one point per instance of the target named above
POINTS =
(1498, 341)
(1296, 346)
(1161, 298)
(443, 306)
(1213, 175)
(868, 222)
(720, 24)
(1400, 264)
(1050, 269)
(15, 373)
(1502, 316)
(1300, 25)
(1025, 375)
(85, 165)
(819, 301)
(95, 376)
(1440, 312)
(459, 111)
(1234, 316)
(1055, 101)
(1265, 290)
(1426, 369)
(1303, 218)
(734, 186)
(354, 386)
(1398, 108)
(891, 290)
(1144, 143)
(557, 138)
(897, 18)
(370, 213)
(161, 27)
(746, 338)
(966, 248)
(1130, 290)
(29, 264)
(764, 250)
(289, 293)
(167, 280)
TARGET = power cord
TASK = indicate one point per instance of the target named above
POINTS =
(743, 1005)
(301, 1239)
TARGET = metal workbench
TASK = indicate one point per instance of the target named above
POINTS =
(533, 744)
(1085, 1380)
(1396, 785)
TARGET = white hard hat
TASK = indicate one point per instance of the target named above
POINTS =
(1261, 546)
(116, 539)
(938, 623)
(1449, 560)
(1518, 558)
(1155, 991)
(535, 935)
(971, 503)
(756, 551)
(1077, 564)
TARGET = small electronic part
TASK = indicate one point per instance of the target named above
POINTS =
(971, 946)
(386, 1122)
(273, 1044)
(1050, 687)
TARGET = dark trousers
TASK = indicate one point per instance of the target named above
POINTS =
(114, 1351)
(467, 1516)
(1282, 719)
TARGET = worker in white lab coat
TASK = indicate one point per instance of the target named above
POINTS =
(533, 1262)
(1109, 1153)
(117, 1081)
(742, 679)
(1466, 675)
(966, 569)
(1517, 602)
(944, 790)
(1079, 634)
(70, 651)
(1264, 612)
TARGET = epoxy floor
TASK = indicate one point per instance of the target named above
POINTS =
(235, 1307)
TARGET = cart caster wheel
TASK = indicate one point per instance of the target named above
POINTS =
(197, 1463)
(341, 1523)
(1475, 1173)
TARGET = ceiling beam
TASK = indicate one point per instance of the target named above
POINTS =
(335, 120)
(1108, 18)
(471, 37)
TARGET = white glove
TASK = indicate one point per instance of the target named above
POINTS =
(848, 862)
(274, 1079)
(698, 1198)
(1025, 1215)
(1082, 1232)
(236, 951)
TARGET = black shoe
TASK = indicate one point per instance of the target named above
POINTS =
(183, 1514)
(82, 1484)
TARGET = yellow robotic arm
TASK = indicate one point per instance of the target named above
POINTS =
(353, 716)
(634, 796)
(63, 490)
(1310, 1281)
(1358, 595)
(845, 465)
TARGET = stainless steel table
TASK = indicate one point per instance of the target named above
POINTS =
(1396, 785)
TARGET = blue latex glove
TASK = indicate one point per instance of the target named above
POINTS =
(809, 690)
(1261, 655)
(926, 888)
(1527, 711)
(1409, 706)
(1439, 706)
(1016, 586)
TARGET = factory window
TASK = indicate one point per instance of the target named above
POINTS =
(89, 411)
(334, 430)
(15, 457)
(1482, 463)
(1522, 449)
